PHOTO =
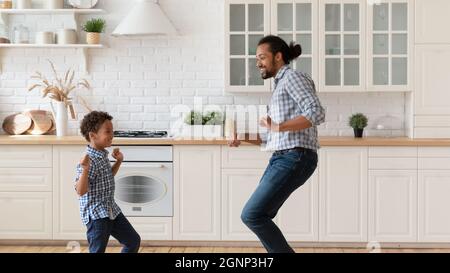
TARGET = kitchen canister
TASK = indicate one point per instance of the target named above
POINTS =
(66, 36)
(54, 4)
(23, 4)
(45, 37)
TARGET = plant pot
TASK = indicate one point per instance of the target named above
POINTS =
(358, 132)
(93, 38)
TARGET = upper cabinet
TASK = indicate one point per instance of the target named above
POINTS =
(342, 45)
(348, 45)
(296, 20)
(246, 22)
(432, 20)
(390, 45)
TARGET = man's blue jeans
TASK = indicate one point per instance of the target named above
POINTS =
(284, 174)
(98, 232)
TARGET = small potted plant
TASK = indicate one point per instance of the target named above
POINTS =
(93, 28)
(207, 125)
(358, 122)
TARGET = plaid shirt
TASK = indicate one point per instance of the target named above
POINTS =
(98, 202)
(294, 95)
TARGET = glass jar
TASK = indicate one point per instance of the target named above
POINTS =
(5, 4)
(21, 35)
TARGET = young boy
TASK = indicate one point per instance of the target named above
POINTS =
(95, 187)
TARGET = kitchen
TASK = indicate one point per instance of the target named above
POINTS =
(387, 59)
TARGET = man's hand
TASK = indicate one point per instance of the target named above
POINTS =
(117, 155)
(85, 162)
(266, 122)
(234, 142)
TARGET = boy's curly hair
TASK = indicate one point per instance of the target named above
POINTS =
(92, 123)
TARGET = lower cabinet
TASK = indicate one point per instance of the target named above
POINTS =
(343, 194)
(26, 215)
(393, 205)
(434, 204)
(152, 228)
(67, 223)
(197, 192)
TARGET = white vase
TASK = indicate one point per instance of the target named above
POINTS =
(61, 118)
(209, 132)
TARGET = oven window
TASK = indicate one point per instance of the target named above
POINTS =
(139, 189)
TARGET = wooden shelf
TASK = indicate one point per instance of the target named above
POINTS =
(51, 11)
(50, 46)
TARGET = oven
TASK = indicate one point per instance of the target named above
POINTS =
(144, 182)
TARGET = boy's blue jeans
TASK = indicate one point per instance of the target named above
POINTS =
(284, 174)
(98, 232)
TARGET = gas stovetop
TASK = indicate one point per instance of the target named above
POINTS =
(141, 134)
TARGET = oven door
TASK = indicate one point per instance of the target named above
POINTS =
(145, 189)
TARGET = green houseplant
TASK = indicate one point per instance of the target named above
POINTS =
(203, 125)
(358, 122)
(93, 28)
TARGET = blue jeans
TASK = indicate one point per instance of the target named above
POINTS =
(284, 174)
(98, 232)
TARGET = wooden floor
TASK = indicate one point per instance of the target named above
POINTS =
(84, 249)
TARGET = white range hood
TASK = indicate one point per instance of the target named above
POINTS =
(146, 18)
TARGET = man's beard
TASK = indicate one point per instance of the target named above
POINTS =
(266, 75)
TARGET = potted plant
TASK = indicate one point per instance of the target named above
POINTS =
(207, 125)
(93, 28)
(358, 122)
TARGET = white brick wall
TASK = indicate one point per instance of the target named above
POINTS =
(139, 80)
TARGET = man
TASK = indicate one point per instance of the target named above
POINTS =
(293, 114)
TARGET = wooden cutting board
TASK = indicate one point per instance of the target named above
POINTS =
(17, 124)
(42, 123)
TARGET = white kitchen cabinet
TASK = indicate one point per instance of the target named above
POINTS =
(342, 29)
(298, 218)
(343, 194)
(432, 21)
(434, 201)
(432, 99)
(23, 156)
(245, 157)
(26, 215)
(237, 187)
(67, 221)
(26, 179)
(296, 20)
(390, 45)
(246, 22)
(393, 205)
(197, 192)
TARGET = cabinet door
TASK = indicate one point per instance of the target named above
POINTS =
(342, 45)
(246, 22)
(343, 194)
(196, 192)
(298, 218)
(237, 187)
(434, 201)
(390, 45)
(67, 221)
(432, 21)
(432, 80)
(296, 20)
(392, 206)
(26, 215)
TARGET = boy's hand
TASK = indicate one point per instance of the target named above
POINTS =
(117, 155)
(85, 162)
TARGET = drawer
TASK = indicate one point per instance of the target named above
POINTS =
(245, 157)
(430, 163)
(401, 163)
(26, 215)
(34, 156)
(434, 152)
(26, 179)
(392, 151)
(153, 228)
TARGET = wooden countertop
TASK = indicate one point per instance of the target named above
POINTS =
(324, 141)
